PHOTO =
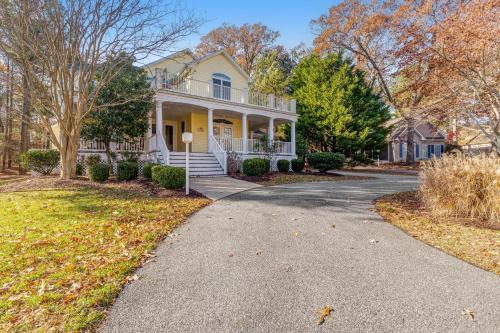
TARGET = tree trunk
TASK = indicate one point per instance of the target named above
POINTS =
(107, 150)
(410, 140)
(495, 146)
(69, 153)
(25, 122)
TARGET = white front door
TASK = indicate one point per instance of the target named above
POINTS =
(224, 134)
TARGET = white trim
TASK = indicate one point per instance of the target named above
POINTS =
(210, 103)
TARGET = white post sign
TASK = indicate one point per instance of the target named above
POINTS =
(187, 138)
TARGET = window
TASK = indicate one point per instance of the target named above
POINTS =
(442, 149)
(417, 150)
(221, 86)
(430, 150)
(400, 150)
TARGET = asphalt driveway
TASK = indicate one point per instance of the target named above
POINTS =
(268, 259)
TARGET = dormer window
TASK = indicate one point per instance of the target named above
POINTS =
(221, 86)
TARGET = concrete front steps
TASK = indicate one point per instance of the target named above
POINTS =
(200, 164)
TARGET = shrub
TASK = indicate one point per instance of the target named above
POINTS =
(79, 168)
(98, 172)
(325, 161)
(256, 166)
(92, 159)
(297, 165)
(146, 170)
(283, 165)
(126, 170)
(168, 176)
(42, 161)
(462, 186)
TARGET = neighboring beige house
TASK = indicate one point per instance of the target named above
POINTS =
(212, 98)
(429, 141)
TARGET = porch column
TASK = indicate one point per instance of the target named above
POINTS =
(244, 131)
(270, 131)
(159, 124)
(210, 128)
(292, 137)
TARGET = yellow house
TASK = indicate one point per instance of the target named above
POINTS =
(211, 97)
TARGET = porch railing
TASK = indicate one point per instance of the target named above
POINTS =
(206, 89)
(254, 145)
(219, 152)
(136, 146)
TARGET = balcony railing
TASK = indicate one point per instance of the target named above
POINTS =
(205, 89)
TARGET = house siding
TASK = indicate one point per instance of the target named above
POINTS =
(219, 64)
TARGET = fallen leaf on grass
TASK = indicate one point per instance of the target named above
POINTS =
(334, 226)
(325, 312)
(132, 278)
(468, 312)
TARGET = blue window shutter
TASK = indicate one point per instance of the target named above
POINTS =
(400, 150)
(417, 151)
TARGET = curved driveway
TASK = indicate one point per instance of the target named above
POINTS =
(267, 260)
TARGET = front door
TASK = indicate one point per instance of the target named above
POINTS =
(169, 136)
(224, 134)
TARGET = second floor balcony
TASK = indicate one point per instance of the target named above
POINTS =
(219, 90)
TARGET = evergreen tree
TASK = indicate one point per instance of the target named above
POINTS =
(123, 105)
(338, 109)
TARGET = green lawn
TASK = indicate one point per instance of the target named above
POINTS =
(66, 253)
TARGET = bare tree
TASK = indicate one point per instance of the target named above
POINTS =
(60, 45)
(245, 43)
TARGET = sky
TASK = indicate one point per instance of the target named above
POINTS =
(291, 18)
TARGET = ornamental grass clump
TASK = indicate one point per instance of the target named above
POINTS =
(462, 186)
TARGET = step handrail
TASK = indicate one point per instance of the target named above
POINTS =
(219, 153)
(163, 148)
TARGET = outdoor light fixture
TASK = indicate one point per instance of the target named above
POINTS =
(187, 138)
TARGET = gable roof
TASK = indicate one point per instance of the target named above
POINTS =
(225, 55)
(424, 129)
(171, 56)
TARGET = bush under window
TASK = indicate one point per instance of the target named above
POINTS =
(98, 172)
(283, 165)
(168, 176)
(126, 170)
(324, 161)
(42, 161)
(256, 166)
(297, 165)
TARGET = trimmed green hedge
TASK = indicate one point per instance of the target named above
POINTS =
(168, 176)
(297, 165)
(283, 165)
(147, 169)
(43, 161)
(126, 170)
(98, 172)
(256, 166)
(325, 161)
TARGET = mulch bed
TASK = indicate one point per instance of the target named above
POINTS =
(140, 186)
